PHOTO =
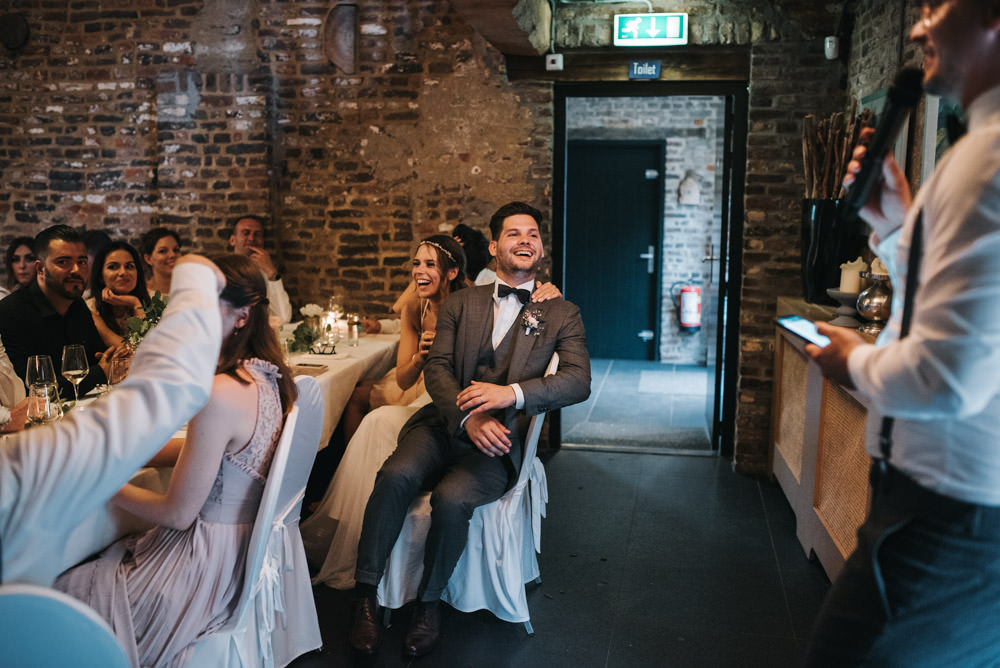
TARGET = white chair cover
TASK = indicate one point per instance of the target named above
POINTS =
(45, 627)
(245, 641)
(296, 631)
(500, 555)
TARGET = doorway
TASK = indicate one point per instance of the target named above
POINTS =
(651, 194)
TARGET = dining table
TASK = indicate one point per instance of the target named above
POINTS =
(339, 373)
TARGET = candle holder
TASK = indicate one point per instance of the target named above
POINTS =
(875, 303)
(847, 311)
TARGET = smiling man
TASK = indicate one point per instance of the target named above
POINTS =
(248, 239)
(484, 373)
(50, 312)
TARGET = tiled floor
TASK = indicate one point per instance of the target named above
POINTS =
(640, 405)
(647, 560)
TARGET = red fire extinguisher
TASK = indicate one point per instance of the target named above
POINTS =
(688, 304)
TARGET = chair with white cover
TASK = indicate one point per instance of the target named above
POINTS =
(500, 556)
(275, 620)
(45, 627)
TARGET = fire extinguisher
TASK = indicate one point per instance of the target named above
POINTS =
(688, 305)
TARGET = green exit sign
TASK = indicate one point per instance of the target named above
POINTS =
(651, 29)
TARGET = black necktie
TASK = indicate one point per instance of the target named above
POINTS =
(505, 290)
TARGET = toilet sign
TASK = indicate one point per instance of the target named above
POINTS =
(644, 69)
(651, 29)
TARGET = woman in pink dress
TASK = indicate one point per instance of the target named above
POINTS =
(162, 590)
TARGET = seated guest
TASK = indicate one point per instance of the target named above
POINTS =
(160, 250)
(477, 254)
(466, 445)
(54, 475)
(20, 265)
(119, 290)
(162, 590)
(248, 239)
(50, 313)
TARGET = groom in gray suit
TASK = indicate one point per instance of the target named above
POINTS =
(485, 374)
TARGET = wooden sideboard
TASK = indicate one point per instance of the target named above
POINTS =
(818, 447)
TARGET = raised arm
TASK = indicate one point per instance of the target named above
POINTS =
(52, 476)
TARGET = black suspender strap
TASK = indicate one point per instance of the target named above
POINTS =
(912, 268)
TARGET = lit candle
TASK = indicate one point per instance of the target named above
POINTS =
(850, 276)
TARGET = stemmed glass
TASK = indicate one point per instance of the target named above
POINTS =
(40, 377)
(75, 366)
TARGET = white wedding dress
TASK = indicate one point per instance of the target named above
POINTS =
(331, 534)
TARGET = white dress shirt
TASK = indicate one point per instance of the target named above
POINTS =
(942, 381)
(52, 476)
(278, 304)
(505, 312)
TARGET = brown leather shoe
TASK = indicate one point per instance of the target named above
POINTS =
(424, 631)
(364, 634)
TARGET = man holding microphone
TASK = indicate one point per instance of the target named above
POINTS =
(923, 586)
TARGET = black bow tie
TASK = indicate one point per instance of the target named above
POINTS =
(505, 290)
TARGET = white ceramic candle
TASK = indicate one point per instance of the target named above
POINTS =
(850, 275)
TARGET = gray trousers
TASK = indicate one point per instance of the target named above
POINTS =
(460, 477)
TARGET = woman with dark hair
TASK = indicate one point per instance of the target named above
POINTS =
(164, 589)
(477, 254)
(118, 290)
(19, 263)
(160, 250)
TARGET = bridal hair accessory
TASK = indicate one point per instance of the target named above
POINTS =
(440, 248)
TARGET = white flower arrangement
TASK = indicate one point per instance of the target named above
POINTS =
(311, 310)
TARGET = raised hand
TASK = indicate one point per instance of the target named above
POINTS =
(889, 202)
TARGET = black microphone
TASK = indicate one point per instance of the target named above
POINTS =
(905, 92)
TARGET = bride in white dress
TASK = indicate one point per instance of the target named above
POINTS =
(331, 534)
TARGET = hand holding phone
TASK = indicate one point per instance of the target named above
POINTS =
(804, 329)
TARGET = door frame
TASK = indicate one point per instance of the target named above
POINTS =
(654, 299)
(736, 95)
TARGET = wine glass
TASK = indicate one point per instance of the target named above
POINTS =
(75, 366)
(40, 371)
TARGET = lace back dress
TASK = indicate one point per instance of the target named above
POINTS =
(162, 590)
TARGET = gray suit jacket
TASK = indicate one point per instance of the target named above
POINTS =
(465, 319)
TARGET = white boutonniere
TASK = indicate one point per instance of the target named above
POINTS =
(532, 322)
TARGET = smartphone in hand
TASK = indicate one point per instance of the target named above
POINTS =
(804, 329)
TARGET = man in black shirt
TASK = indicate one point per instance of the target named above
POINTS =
(49, 313)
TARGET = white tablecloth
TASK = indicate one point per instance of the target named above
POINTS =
(371, 359)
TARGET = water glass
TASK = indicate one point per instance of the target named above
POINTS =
(353, 329)
(43, 406)
(119, 369)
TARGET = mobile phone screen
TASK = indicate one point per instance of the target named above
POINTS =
(803, 328)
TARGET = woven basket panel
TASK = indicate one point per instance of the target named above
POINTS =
(790, 429)
(841, 499)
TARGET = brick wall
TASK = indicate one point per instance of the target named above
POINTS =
(188, 113)
(692, 129)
